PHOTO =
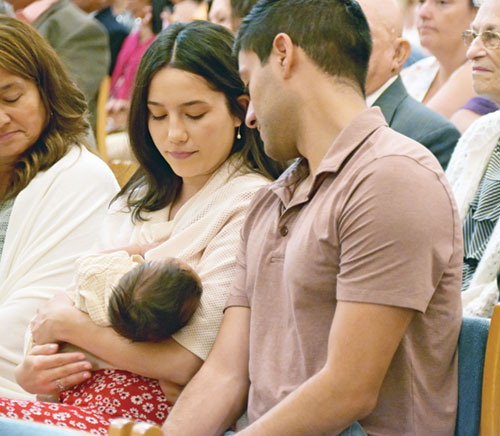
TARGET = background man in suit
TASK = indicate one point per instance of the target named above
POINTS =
(80, 41)
(102, 12)
(385, 88)
(5, 8)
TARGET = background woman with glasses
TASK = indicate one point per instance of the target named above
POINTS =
(474, 169)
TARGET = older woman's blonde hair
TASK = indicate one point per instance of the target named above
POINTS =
(26, 54)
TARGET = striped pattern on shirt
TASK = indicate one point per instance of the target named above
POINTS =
(482, 217)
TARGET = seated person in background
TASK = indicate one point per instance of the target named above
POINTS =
(80, 41)
(220, 13)
(230, 13)
(410, 31)
(385, 89)
(54, 193)
(134, 46)
(474, 170)
(6, 8)
(442, 81)
(187, 10)
(471, 111)
(366, 329)
(117, 32)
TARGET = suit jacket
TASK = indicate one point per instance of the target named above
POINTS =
(81, 42)
(117, 33)
(411, 118)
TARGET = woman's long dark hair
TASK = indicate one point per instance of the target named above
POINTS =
(204, 49)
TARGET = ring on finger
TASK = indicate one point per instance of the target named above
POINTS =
(59, 385)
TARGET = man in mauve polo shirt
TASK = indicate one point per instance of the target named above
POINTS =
(345, 310)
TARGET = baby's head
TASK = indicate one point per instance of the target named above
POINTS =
(154, 300)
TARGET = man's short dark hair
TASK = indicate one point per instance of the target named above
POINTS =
(153, 301)
(333, 33)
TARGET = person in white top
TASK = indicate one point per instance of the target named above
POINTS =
(442, 81)
(199, 169)
(54, 193)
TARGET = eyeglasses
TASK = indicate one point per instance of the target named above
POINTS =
(491, 40)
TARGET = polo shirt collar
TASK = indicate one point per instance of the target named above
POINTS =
(352, 136)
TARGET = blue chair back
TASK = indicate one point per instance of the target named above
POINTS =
(471, 350)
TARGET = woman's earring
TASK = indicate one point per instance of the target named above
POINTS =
(238, 134)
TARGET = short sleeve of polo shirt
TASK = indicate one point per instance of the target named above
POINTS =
(396, 235)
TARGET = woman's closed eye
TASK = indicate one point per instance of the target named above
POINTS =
(158, 117)
(196, 115)
(11, 99)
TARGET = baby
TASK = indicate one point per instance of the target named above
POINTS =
(142, 301)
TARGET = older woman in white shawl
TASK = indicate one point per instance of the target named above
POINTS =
(474, 169)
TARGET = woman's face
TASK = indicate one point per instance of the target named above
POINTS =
(441, 23)
(190, 124)
(138, 8)
(221, 13)
(22, 116)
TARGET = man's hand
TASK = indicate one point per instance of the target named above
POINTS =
(52, 319)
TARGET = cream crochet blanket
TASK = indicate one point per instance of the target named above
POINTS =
(205, 233)
(465, 170)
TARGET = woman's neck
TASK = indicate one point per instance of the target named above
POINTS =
(145, 33)
(188, 190)
(449, 62)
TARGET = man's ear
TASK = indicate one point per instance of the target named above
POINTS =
(402, 52)
(284, 53)
(243, 100)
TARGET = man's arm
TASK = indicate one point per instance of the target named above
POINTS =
(362, 342)
(216, 397)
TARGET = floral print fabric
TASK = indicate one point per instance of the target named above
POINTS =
(90, 406)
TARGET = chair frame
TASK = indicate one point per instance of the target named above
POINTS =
(490, 401)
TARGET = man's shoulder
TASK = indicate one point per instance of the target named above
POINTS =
(64, 19)
(418, 117)
(388, 145)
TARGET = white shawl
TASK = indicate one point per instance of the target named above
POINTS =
(205, 233)
(465, 170)
(54, 220)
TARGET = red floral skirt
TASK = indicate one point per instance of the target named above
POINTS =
(90, 406)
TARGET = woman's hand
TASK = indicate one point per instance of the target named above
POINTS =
(54, 319)
(43, 366)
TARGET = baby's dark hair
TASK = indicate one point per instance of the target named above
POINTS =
(153, 301)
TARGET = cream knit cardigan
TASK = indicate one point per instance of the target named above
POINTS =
(54, 220)
(465, 170)
(205, 233)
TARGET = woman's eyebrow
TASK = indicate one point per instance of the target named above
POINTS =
(188, 103)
